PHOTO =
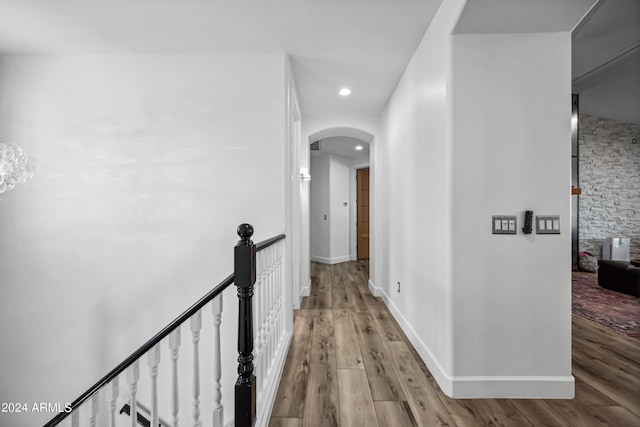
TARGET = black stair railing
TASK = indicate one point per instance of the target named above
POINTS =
(244, 277)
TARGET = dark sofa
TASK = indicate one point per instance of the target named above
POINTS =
(620, 276)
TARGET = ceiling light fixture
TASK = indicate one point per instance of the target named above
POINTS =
(358, 147)
(15, 166)
(345, 91)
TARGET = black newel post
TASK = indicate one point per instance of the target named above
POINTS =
(244, 278)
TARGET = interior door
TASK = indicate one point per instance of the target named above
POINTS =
(362, 177)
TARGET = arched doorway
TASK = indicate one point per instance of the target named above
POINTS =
(339, 200)
(320, 131)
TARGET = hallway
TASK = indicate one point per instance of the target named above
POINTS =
(350, 364)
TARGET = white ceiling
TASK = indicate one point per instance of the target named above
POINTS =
(606, 61)
(344, 147)
(363, 44)
(521, 16)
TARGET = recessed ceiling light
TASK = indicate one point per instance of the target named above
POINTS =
(358, 147)
(345, 91)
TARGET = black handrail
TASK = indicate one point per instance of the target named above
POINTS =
(142, 350)
(266, 243)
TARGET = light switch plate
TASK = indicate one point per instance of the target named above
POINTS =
(548, 224)
(504, 224)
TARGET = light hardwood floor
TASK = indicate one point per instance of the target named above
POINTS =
(350, 364)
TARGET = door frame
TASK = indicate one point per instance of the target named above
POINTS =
(357, 222)
(294, 206)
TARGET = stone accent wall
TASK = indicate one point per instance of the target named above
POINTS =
(610, 182)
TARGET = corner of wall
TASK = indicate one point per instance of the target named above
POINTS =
(444, 380)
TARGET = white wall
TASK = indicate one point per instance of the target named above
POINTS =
(479, 126)
(340, 168)
(330, 189)
(320, 209)
(414, 171)
(512, 294)
(147, 165)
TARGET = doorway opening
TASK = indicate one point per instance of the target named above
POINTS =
(339, 200)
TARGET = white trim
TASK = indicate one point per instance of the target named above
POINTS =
(336, 260)
(376, 292)
(514, 387)
(271, 389)
(305, 292)
(443, 379)
(493, 387)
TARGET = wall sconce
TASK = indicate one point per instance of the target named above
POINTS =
(15, 167)
(304, 177)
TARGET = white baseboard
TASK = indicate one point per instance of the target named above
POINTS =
(466, 387)
(305, 292)
(271, 389)
(376, 292)
(514, 387)
(336, 260)
(443, 379)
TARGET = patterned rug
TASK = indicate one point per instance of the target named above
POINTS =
(614, 310)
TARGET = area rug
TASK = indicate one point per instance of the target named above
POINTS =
(614, 310)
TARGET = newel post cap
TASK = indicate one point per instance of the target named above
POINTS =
(245, 231)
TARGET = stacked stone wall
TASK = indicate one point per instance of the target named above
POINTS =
(609, 205)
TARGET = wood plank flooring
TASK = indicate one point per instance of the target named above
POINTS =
(350, 364)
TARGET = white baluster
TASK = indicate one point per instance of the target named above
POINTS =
(265, 319)
(95, 407)
(218, 410)
(271, 306)
(256, 318)
(278, 309)
(196, 325)
(75, 418)
(280, 295)
(280, 292)
(268, 320)
(276, 300)
(259, 321)
(153, 361)
(174, 346)
(133, 375)
(113, 399)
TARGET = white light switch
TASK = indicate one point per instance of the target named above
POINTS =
(548, 224)
(503, 224)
